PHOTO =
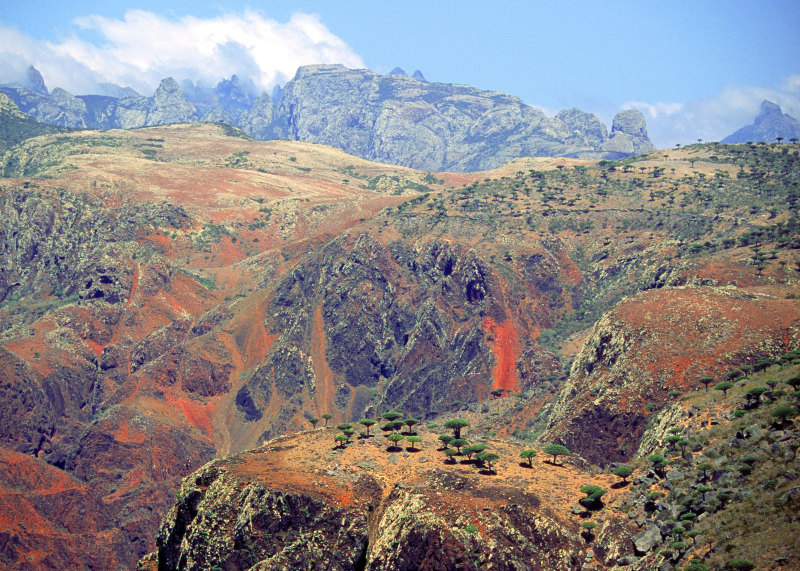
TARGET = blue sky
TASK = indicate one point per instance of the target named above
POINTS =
(696, 69)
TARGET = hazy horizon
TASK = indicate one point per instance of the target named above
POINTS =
(694, 70)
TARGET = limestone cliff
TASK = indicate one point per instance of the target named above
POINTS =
(434, 126)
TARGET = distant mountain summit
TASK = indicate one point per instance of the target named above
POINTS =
(769, 124)
(395, 118)
(35, 81)
(402, 120)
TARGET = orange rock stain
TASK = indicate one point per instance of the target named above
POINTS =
(505, 349)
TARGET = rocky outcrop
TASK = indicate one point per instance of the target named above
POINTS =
(353, 509)
(169, 105)
(584, 126)
(426, 348)
(656, 342)
(628, 134)
(35, 81)
(17, 126)
(769, 124)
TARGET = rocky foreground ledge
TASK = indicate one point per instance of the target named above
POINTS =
(299, 503)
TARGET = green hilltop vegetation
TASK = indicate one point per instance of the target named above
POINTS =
(16, 126)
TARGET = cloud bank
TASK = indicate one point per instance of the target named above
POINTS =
(143, 48)
(715, 117)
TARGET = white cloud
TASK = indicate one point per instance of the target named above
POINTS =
(143, 48)
(715, 117)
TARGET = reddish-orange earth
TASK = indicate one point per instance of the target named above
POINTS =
(505, 348)
(661, 341)
(167, 311)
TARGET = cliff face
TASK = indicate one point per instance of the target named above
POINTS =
(433, 314)
(300, 503)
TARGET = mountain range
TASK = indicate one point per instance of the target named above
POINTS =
(194, 324)
(392, 118)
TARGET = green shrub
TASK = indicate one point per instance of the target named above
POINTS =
(367, 423)
(458, 443)
(657, 460)
(593, 496)
(783, 413)
(395, 438)
(723, 386)
(456, 425)
(487, 457)
(556, 450)
(474, 449)
(740, 564)
(530, 455)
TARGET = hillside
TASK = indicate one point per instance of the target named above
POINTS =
(717, 488)
(174, 294)
(16, 126)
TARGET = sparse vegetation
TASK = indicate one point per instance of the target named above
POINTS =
(623, 472)
(556, 450)
(530, 455)
(456, 425)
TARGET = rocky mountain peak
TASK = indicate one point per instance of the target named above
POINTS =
(628, 134)
(394, 118)
(630, 122)
(770, 123)
(35, 81)
(584, 124)
(768, 109)
(438, 126)
(166, 89)
(169, 105)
